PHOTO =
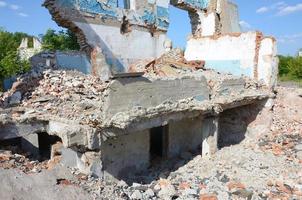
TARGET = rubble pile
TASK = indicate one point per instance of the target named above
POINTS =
(251, 170)
(267, 168)
(50, 92)
(286, 136)
(171, 63)
(9, 159)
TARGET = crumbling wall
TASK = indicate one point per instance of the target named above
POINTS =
(111, 36)
(249, 54)
(185, 135)
(211, 17)
(25, 51)
(126, 155)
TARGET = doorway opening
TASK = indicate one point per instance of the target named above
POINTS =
(45, 143)
(159, 142)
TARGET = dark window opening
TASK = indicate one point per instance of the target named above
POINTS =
(45, 143)
(158, 142)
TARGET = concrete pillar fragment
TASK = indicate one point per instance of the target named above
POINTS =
(30, 143)
(210, 136)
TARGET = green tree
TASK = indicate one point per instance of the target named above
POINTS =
(62, 40)
(295, 68)
(10, 64)
(283, 65)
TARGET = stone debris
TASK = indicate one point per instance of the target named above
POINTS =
(267, 168)
(46, 91)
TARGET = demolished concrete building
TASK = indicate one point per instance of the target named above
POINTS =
(141, 99)
(25, 51)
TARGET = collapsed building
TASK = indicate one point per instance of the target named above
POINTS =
(26, 51)
(135, 97)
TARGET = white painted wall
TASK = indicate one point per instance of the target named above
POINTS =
(129, 47)
(226, 47)
(240, 47)
(268, 62)
(208, 23)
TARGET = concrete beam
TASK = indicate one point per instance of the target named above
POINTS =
(12, 130)
(128, 93)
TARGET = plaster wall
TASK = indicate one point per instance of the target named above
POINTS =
(73, 61)
(121, 50)
(233, 54)
(185, 135)
(229, 17)
(206, 25)
(126, 154)
(268, 62)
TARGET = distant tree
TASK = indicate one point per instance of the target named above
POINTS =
(295, 68)
(283, 65)
(10, 64)
(61, 40)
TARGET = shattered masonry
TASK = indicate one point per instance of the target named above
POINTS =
(112, 36)
(133, 97)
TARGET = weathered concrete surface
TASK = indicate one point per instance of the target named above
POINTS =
(126, 154)
(88, 163)
(18, 185)
(129, 93)
(11, 130)
(185, 135)
(30, 143)
(74, 134)
(210, 131)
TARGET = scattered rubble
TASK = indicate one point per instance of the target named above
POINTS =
(267, 168)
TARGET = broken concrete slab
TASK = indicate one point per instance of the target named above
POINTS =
(128, 93)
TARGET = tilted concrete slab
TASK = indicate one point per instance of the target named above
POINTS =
(128, 93)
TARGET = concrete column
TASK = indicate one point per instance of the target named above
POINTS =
(30, 143)
(209, 136)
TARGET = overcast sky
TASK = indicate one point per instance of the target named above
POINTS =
(281, 19)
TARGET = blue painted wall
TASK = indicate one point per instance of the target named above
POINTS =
(78, 62)
(198, 4)
(230, 67)
(153, 14)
